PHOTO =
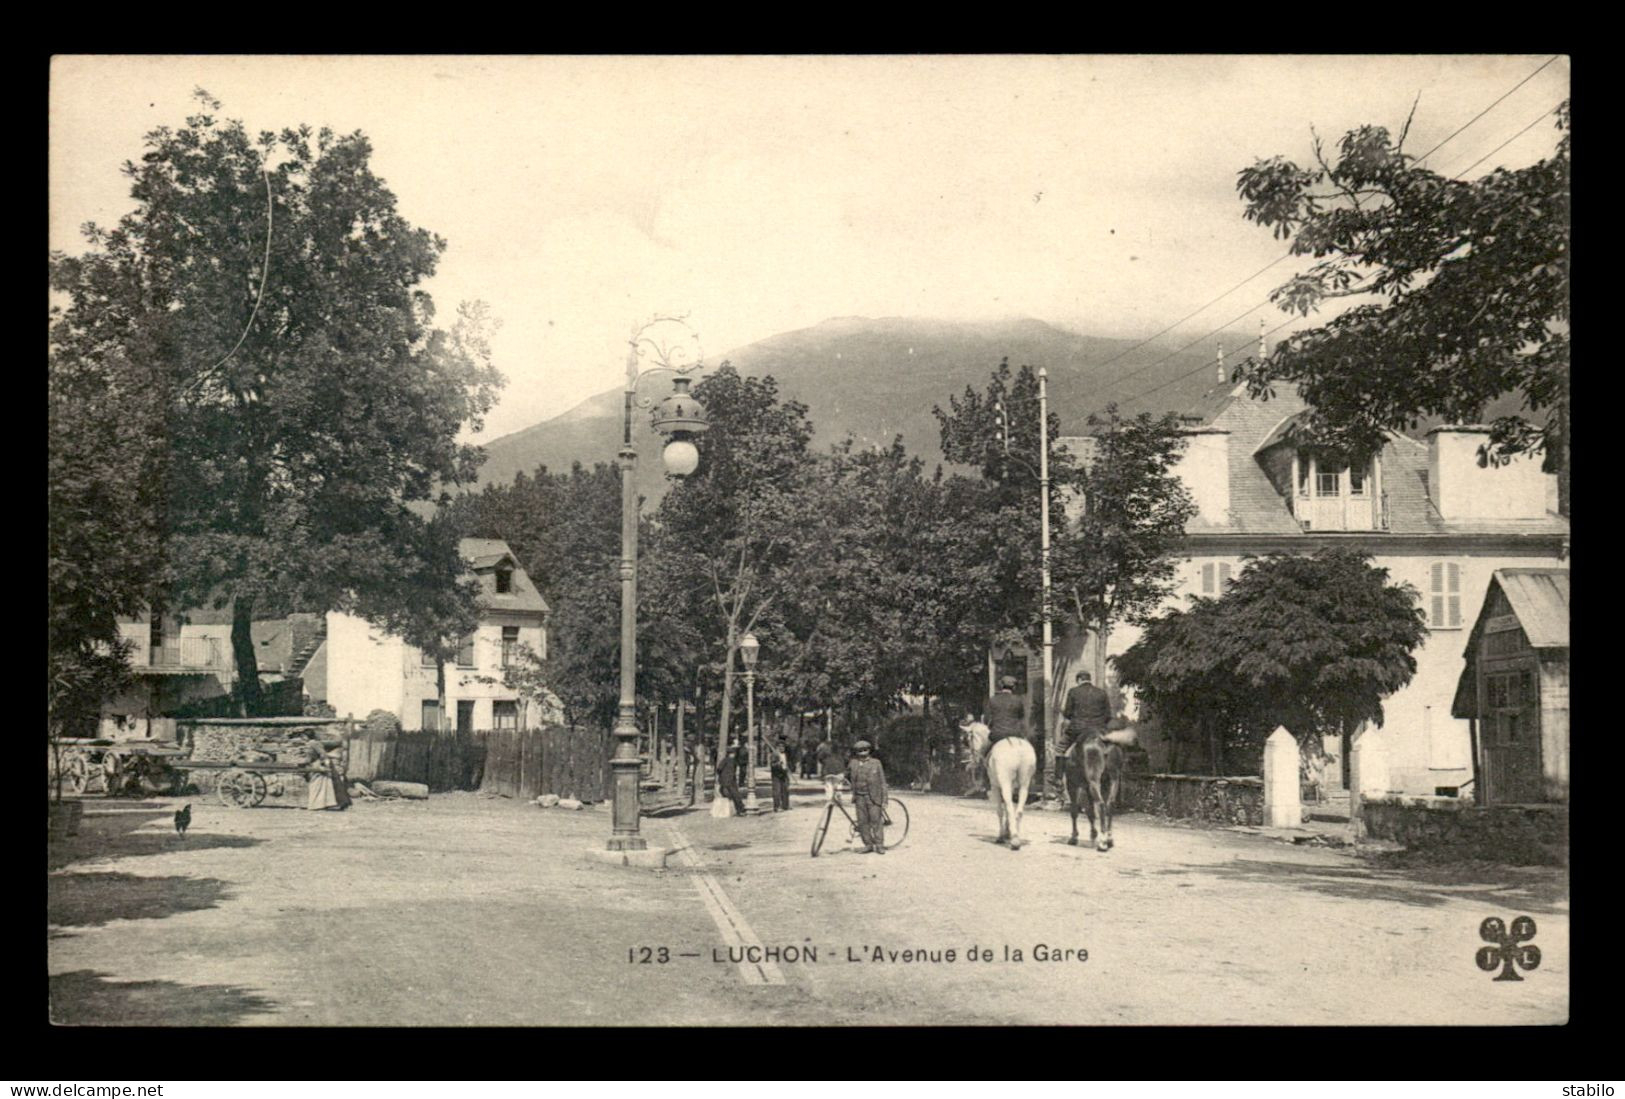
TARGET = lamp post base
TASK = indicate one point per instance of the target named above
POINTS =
(644, 858)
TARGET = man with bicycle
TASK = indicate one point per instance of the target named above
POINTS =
(868, 779)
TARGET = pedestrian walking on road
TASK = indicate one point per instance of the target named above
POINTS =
(831, 765)
(868, 780)
(728, 777)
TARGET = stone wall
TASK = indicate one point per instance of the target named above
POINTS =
(1452, 828)
(246, 741)
(1208, 798)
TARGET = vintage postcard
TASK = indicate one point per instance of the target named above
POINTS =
(741, 540)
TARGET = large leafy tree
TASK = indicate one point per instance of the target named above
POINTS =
(1314, 643)
(102, 533)
(730, 537)
(989, 535)
(1471, 281)
(854, 631)
(267, 292)
(1121, 558)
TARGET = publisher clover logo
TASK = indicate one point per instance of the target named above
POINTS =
(1509, 951)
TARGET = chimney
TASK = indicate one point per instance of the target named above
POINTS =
(1204, 467)
(1220, 366)
(1262, 352)
(1462, 489)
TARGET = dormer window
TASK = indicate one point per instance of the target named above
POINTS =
(504, 580)
(1334, 495)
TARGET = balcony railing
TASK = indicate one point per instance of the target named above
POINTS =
(202, 653)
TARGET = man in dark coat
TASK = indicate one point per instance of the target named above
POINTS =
(728, 777)
(868, 779)
(778, 759)
(1087, 711)
(1005, 714)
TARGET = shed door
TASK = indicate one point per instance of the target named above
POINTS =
(1512, 735)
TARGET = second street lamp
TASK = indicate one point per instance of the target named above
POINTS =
(749, 649)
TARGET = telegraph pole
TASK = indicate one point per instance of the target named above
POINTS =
(1049, 641)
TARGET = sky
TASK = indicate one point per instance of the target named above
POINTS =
(579, 196)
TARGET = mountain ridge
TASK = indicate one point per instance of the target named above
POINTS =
(876, 378)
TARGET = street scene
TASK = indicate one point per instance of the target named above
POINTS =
(676, 541)
(278, 918)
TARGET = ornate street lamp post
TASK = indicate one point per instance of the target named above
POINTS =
(749, 649)
(680, 417)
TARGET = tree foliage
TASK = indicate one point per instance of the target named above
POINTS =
(995, 543)
(1472, 282)
(1314, 643)
(1121, 563)
(730, 536)
(266, 292)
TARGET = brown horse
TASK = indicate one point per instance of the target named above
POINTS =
(1094, 772)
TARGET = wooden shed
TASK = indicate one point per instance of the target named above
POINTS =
(1515, 688)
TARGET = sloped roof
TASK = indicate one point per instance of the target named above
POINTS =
(1255, 505)
(485, 552)
(1540, 599)
(483, 555)
(1258, 507)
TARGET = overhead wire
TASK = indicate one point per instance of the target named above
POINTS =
(1221, 328)
(265, 273)
(1288, 254)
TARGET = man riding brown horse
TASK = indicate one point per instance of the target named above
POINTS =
(1092, 759)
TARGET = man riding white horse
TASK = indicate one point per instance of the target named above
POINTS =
(1005, 714)
(1007, 756)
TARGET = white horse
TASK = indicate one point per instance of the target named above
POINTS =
(1010, 769)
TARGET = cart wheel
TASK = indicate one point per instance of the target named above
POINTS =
(241, 789)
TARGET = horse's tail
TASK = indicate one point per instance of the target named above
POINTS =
(1121, 736)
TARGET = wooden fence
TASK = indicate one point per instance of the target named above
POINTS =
(569, 762)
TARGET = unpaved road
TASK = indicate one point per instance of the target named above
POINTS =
(463, 910)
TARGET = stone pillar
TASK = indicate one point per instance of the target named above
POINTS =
(1283, 807)
(1368, 773)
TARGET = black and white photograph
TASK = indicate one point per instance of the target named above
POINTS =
(821, 540)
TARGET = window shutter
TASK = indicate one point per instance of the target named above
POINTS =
(1224, 578)
(1454, 596)
(1207, 579)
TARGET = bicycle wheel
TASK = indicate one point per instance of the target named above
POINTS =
(896, 822)
(822, 830)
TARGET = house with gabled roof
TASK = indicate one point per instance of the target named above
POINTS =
(358, 668)
(1514, 691)
(1425, 510)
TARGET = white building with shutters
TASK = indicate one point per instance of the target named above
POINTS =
(359, 668)
(1425, 510)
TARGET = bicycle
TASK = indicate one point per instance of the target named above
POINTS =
(894, 816)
